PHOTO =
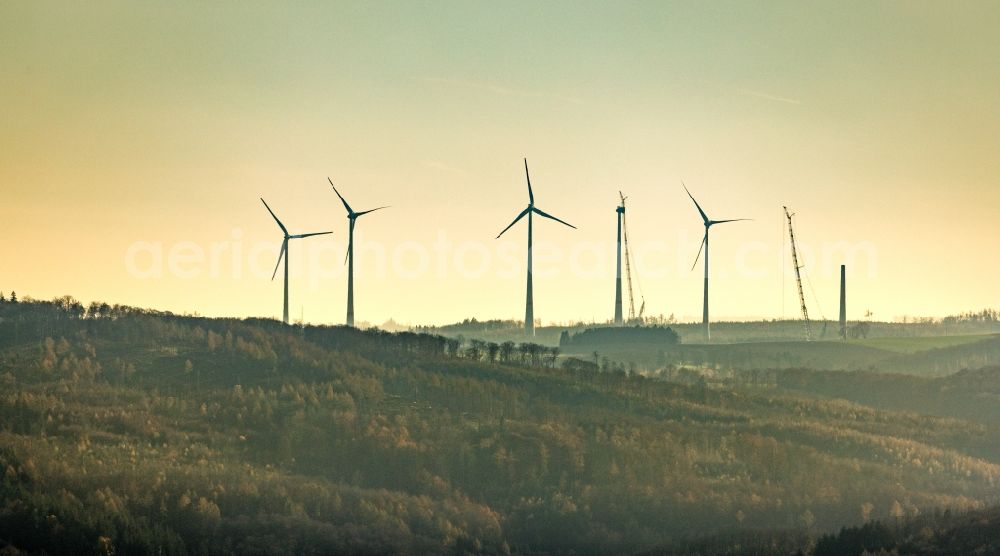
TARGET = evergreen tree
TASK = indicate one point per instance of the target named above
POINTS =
(564, 338)
(13, 297)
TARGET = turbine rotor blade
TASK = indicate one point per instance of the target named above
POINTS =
(713, 222)
(342, 200)
(362, 213)
(546, 215)
(348, 253)
(704, 240)
(519, 216)
(284, 247)
(703, 215)
(300, 236)
(282, 226)
(531, 196)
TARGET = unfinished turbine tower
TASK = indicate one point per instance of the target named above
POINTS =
(623, 239)
(529, 308)
(284, 255)
(349, 257)
(618, 274)
(798, 277)
(843, 302)
(704, 245)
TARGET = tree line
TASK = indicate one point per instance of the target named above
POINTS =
(621, 336)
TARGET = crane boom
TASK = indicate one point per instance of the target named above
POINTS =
(798, 277)
(628, 266)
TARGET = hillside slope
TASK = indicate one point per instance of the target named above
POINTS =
(972, 394)
(149, 433)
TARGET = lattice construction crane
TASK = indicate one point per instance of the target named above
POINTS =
(798, 277)
(628, 271)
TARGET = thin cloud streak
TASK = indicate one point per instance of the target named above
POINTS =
(503, 91)
(766, 96)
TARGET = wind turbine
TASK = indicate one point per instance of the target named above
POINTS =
(618, 276)
(349, 257)
(529, 309)
(704, 245)
(284, 254)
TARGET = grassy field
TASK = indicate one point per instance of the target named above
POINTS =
(750, 332)
(748, 355)
(927, 356)
(918, 344)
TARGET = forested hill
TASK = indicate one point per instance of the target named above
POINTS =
(972, 394)
(137, 432)
(937, 533)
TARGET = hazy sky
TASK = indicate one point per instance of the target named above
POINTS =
(136, 138)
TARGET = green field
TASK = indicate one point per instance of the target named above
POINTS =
(918, 344)
(926, 356)
(740, 332)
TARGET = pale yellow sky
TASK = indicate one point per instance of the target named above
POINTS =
(135, 136)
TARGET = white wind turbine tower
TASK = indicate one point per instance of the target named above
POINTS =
(704, 245)
(529, 307)
(284, 254)
(349, 258)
